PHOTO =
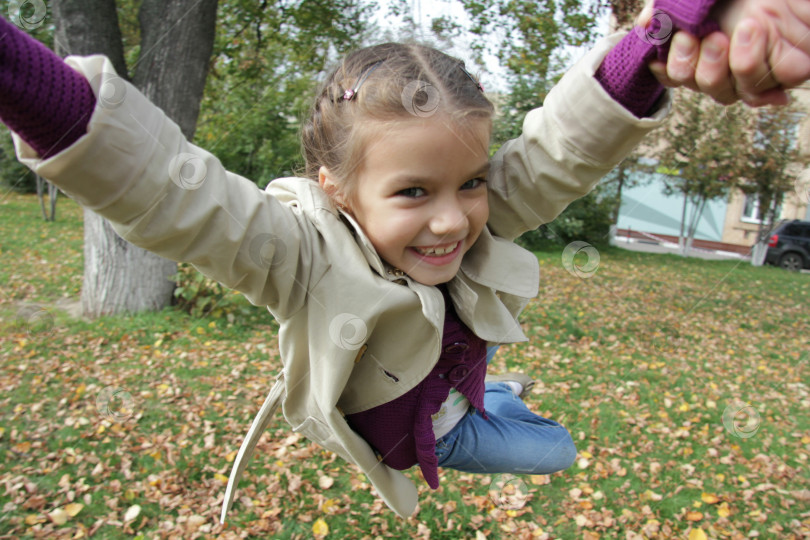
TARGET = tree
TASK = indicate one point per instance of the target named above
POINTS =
(120, 277)
(701, 155)
(267, 62)
(771, 166)
(266, 59)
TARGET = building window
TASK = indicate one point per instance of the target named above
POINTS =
(751, 212)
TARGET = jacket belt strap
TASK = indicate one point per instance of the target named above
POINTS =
(251, 439)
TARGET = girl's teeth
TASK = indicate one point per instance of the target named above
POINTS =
(438, 251)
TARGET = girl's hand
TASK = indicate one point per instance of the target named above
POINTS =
(768, 51)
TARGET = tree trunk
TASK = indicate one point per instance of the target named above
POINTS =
(176, 44)
(681, 242)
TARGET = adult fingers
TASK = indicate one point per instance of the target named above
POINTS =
(682, 60)
(712, 73)
(748, 60)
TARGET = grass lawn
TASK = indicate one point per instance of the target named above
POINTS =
(683, 381)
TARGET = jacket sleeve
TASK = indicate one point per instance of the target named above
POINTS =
(567, 145)
(160, 192)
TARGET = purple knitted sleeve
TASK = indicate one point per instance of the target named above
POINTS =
(42, 99)
(624, 73)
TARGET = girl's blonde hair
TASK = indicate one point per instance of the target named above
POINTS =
(392, 81)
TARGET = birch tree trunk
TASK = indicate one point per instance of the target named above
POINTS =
(176, 42)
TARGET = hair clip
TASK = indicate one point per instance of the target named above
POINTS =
(467, 73)
(349, 94)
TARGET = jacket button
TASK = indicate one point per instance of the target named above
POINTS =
(457, 347)
(458, 373)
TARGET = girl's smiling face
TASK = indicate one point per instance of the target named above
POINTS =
(421, 194)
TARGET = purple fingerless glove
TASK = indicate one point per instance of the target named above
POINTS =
(624, 73)
(42, 99)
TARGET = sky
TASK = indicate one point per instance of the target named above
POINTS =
(492, 76)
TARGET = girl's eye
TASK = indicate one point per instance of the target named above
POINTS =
(412, 192)
(474, 183)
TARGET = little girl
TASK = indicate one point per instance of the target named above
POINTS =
(390, 265)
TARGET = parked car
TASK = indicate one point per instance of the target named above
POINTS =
(789, 245)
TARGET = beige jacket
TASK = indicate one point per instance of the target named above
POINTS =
(353, 334)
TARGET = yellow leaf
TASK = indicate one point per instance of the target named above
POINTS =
(58, 516)
(329, 505)
(697, 534)
(723, 510)
(540, 479)
(73, 508)
(710, 498)
(230, 456)
(320, 528)
(33, 519)
(200, 330)
(2, 432)
(684, 407)
(221, 477)
(694, 516)
(586, 454)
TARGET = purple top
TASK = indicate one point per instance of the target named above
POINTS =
(624, 73)
(43, 100)
(401, 431)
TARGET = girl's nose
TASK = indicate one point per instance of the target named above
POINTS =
(449, 219)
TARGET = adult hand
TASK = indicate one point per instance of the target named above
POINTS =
(763, 49)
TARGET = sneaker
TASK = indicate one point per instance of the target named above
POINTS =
(522, 379)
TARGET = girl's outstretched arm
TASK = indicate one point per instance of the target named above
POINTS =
(125, 160)
(41, 99)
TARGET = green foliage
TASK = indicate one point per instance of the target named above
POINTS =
(198, 295)
(13, 175)
(771, 162)
(587, 219)
(267, 62)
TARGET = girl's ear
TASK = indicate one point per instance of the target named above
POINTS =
(330, 186)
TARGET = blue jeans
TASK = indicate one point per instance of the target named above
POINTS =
(512, 440)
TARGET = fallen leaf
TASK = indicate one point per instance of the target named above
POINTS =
(320, 528)
(58, 516)
(132, 512)
(694, 516)
(73, 508)
(325, 482)
(697, 534)
(710, 498)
